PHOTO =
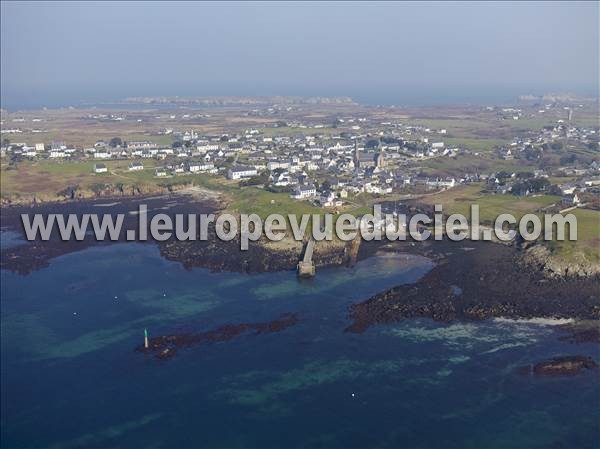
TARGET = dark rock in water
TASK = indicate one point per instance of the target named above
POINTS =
(561, 366)
(583, 332)
(36, 255)
(165, 346)
(166, 353)
(492, 284)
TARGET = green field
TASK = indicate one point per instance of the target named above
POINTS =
(470, 163)
(473, 144)
(288, 131)
(72, 137)
(254, 200)
(460, 199)
(161, 140)
(44, 179)
(588, 238)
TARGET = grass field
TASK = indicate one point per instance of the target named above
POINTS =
(88, 139)
(161, 140)
(470, 163)
(460, 199)
(482, 131)
(474, 144)
(254, 200)
(588, 238)
(44, 179)
(287, 131)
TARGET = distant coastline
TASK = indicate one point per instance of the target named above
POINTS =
(386, 97)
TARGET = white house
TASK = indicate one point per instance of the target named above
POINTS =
(239, 172)
(567, 189)
(102, 155)
(439, 182)
(57, 153)
(196, 167)
(100, 168)
(273, 165)
(304, 191)
(205, 148)
(328, 199)
(141, 145)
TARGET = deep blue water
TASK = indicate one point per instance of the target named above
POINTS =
(71, 378)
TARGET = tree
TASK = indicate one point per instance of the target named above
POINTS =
(554, 190)
(531, 186)
(260, 179)
(524, 175)
(372, 143)
(5, 142)
(176, 144)
(115, 142)
(568, 159)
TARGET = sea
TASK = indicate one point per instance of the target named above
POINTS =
(14, 101)
(71, 377)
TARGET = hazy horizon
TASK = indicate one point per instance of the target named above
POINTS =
(57, 54)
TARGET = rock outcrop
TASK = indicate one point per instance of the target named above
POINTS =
(561, 366)
(541, 258)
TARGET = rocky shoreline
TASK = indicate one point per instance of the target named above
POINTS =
(476, 281)
(104, 192)
(539, 257)
(31, 256)
(472, 280)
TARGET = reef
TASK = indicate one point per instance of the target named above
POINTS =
(560, 366)
(166, 346)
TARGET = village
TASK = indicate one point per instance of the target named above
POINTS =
(327, 163)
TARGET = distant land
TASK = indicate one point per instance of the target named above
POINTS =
(235, 100)
(558, 97)
(367, 96)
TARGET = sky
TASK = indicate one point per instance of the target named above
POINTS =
(60, 53)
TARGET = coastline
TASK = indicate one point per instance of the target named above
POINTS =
(477, 281)
(472, 280)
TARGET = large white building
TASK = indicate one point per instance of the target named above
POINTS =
(196, 167)
(141, 145)
(274, 165)
(304, 191)
(239, 172)
(100, 168)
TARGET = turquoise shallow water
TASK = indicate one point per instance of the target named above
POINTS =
(71, 378)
